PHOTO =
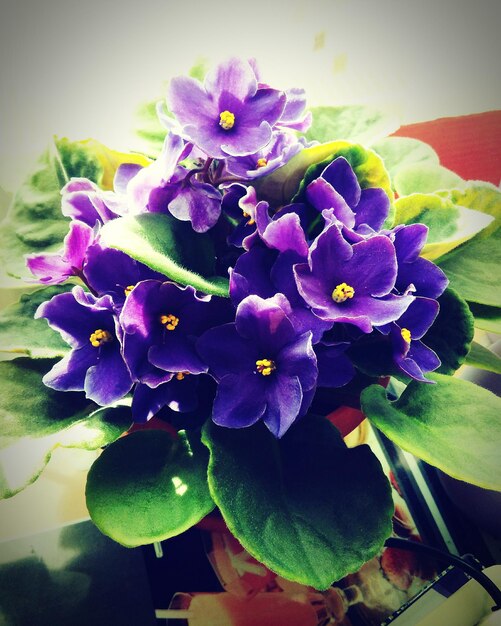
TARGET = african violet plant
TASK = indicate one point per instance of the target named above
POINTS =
(238, 287)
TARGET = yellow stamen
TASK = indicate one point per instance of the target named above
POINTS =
(250, 221)
(128, 289)
(342, 292)
(169, 321)
(262, 162)
(181, 375)
(226, 120)
(406, 335)
(265, 366)
(99, 337)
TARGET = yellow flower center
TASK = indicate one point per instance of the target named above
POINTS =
(169, 321)
(181, 375)
(128, 289)
(262, 162)
(226, 120)
(265, 366)
(406, 334)
(99, 337)
(342, 293)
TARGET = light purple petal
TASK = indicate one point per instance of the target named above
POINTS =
(190, 102)
(69, 373)
(109, 379)
(233, 75)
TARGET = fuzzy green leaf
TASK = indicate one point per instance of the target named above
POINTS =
(23, 460)
(452, 332)
(483, 358)
(449, 224)
(424, 178)
(473, 269)
(487, 318)
(22, 335)
(453, 425)
(292, 502)
(168, 246)
(400, 152)
(357, 123)
(148, 486)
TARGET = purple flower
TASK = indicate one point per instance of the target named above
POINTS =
(410, 354)
(198, 203)
(265, 369)
(419, 275)
(337, 188)
(95, 364)
(55, 268)
(85, 201)
(239, 203)
(334, 368)
(161, 322)
(227, 115)
(282, 147)
(115, 273)
(179, 393)
(294, 116)
(151, 188)
(353, 284)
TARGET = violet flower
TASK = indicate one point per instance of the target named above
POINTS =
(95, 364)
(55, 268)
(161, 322)
(179, 393)
(227, 115)
(265, 369)
(83, 200)
(353, 284)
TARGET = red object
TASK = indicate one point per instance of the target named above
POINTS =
(470, 145)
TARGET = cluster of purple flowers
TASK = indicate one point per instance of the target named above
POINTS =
(306, 281)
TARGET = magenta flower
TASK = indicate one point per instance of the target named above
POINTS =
(228, 115)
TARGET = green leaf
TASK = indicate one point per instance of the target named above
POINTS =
(282, 184)
(449, 224)
(424, 178)
(23, 460)
(400, 152)
(28, 407)
(357, 123)
(292, 503)
(148, 486)
(483, 358)
(22, 335)
(452, 332)
(168, 246)
(453, 425)
(473, 269)
(487, 318)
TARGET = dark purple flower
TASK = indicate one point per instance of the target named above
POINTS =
(416, 274)
(239, 203)
(282, 147)
(55, 268)
(95, 364)
(161, 322)
(410, 354)
(334, 368)
(265, 369)
(179, 394)
(112, 272)
(353, 284)
(337, 188)
(85, 201)
(227, 115)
